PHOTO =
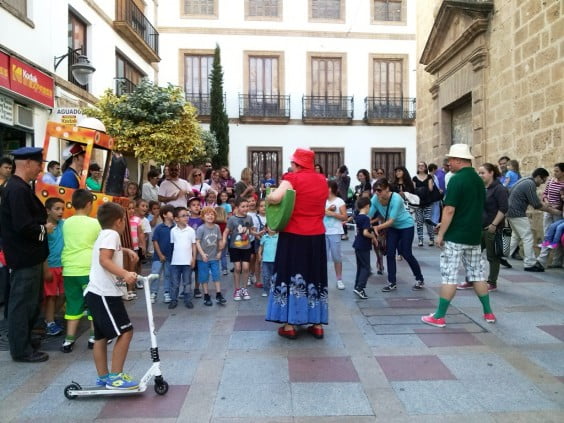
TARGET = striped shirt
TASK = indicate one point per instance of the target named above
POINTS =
(522, 195)
(552, 193)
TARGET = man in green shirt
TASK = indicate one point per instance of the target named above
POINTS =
(460, 235)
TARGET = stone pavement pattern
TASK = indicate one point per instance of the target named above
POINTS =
(377, 362)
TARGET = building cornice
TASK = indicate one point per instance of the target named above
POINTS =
(75, 90)
(283, 33)
(479, 12)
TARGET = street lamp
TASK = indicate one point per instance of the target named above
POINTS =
(81, 70)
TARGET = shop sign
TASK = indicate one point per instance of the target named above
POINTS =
(31, 83)
(4, 70)
(6, 110)
(68, 115)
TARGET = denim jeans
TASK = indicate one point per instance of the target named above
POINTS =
(401, 240)
(362, 268)
(177, 273)
(267, 271)
(23, 308)
(224, 259)
(163, 270)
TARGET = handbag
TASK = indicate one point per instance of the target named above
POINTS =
(382, 238)
(502, 242)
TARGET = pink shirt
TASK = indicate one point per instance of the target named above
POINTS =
(134, 223)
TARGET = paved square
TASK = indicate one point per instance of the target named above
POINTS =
(414, 367)
(520, 278)
(147, 404)
(555, 330)
(322, 369)
(330, 399)
(411, 302)
(447, 337)
(252, 322)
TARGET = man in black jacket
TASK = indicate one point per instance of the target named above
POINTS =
(23, 221)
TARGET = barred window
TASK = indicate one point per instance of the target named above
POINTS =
(199, 7)
(263, 76)
(387, 10)
(326, 76)
(326, 9)
(267, 8)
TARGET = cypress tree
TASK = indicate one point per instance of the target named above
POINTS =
(219, 123)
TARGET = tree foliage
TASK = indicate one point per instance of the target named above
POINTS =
(154, 123)
(209, 148)
(219, 122)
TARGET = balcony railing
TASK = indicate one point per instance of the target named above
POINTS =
(202, 103)
(264, 107)
(389, 108)
(124, 86)
(130, 20)
(336, 108)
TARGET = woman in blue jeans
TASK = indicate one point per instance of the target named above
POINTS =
(399, 228)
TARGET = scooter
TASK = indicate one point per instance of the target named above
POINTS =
(161, 386)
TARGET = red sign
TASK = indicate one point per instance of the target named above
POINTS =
(31, 83)
(4, 70)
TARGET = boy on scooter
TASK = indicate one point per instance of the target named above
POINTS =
(108, 283)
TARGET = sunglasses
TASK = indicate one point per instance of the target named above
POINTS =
(198, 174)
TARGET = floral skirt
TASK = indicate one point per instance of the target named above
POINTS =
(298, 293)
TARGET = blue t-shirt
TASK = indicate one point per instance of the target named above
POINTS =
(510, 179)
(56, 244)
(162, 236)
(195, 222)
(361, 242)
(402, 218)
(69, 179)
(227, 207)
(269, 244)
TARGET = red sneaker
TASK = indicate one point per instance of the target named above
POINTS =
(258, 285)
(317, 332)
(465, 285)
(433, 321)
(492, 287)
(489, 317)
(290, 333)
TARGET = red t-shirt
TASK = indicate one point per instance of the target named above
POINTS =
(309, 209)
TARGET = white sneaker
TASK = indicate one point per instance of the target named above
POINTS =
(153, 297)
(340, 284)
(167, 298)
(224, 272)
(264, 294)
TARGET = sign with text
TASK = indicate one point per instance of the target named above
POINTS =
(31, 83)
(6, 110)
(67, 115)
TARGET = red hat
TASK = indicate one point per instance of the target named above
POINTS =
(304, 158)
(72, 150)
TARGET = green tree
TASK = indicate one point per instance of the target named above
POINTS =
(219, 122)
(154, 123)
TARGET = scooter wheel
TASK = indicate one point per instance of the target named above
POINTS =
(161, 388)
(70, 388)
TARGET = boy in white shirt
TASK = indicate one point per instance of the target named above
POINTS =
(183, 240)
(107, 284)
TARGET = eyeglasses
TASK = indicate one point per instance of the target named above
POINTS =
(198, 174)
(183, 215)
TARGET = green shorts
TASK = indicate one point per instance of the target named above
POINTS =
(74, 288)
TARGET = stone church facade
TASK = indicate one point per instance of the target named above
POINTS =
(490, 74)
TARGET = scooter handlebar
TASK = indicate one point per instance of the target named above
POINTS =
(147, 278)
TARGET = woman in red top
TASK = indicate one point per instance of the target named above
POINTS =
(298, 295)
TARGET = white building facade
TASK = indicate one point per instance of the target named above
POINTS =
(336, 76)
(46, 39)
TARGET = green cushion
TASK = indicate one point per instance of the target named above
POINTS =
(278, 215)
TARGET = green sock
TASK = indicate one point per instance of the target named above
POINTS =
(70, 338)
(442, 309)
(91, 333)
(485, 300)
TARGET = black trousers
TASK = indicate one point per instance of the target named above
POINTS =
(26, 286)
(362, 268)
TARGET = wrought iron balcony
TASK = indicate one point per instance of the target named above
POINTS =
(264, 108)
(124, 86)
(389, 110)
(134, 26)
(327, 109)
(202, 103)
